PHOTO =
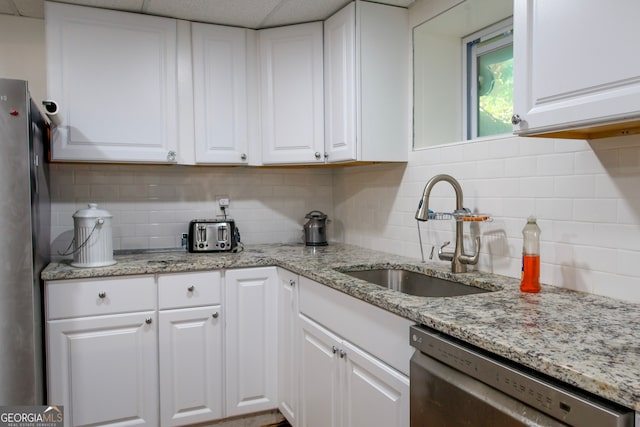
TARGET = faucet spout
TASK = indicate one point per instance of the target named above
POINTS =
(458, 259)
(422, 214)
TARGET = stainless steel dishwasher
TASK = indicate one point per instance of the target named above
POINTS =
(455, 384)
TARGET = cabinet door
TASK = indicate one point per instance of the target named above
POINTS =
(320, 383)
(220, 93)
(374, 393)
(340, 84)
(287, 344)
(190, 343)
(366, 85)
(573, 76)
(251, 343)
(104, 370)
(113, 75)
(291, 91)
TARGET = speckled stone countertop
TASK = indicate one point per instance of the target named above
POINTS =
(586, 340)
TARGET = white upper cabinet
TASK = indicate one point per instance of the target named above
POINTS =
(291, 94)
(366, 58)
(113, 75)
(220, 94)
(576, 80)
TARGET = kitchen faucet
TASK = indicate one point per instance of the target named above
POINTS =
(458, 258)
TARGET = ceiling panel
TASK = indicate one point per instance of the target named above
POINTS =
(242, 13)
(401, 3)
(30, 8)
(8, 8)
(127, 5)
(295, 11)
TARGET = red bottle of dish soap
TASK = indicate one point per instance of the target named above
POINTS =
(531, 257)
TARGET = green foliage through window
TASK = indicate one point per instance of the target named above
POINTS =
(489, 77)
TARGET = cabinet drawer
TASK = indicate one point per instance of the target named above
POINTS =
(188, 289)
(88, 297)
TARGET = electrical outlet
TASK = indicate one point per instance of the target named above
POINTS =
(224, 202)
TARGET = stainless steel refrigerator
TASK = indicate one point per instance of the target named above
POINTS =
(24, 243)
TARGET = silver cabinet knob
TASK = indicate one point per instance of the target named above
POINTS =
(515, 119)
(334, 349)
(343, 354)
(171, 156)
(215, 315)
(148, 320)
(243, 157)
(191, 288)
(292, 283)
(318, 155)
(102, 295)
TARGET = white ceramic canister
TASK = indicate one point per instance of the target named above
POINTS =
(93, 241)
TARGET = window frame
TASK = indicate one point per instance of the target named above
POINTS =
(496, 36)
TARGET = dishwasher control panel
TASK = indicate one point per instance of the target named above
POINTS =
(559, 401)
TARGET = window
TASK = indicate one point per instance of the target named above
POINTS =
(488, 89)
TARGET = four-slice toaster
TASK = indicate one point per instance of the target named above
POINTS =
(212, 235)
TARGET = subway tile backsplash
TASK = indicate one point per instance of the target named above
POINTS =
(585, 194)
(153, 204)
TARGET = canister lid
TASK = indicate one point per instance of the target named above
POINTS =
(92, 212)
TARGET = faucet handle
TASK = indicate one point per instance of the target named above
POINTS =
(445, 256)
(471, 259)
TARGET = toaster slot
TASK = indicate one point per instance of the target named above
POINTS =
(222, 233)
(201, 236)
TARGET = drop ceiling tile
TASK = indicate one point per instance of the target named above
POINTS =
(245, 13)
(401, 3)
(8, 8)
(242, 13)
(126, 5)
(296, 11)
(30, 8)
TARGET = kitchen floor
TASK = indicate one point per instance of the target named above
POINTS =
(263, 419)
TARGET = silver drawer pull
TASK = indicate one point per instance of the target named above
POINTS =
(191, 288)
(215, 315)
(102, 295)
(334, 349)
(343, 354)
(148, 320)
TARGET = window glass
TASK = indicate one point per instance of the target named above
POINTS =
(488, 67)
(495, 91)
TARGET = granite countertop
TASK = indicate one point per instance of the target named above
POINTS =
(586, 340)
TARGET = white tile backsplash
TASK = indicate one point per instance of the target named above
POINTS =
(152, 205)
(585, 195)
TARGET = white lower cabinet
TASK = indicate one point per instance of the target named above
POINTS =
(190, 365)
(251, 343)
(185, 348)
(288, 365)
(341, 385)
(104, 370)
(102, 364)
(190, 348)
(319, 376)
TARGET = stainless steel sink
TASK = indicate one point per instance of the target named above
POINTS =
(417, 284)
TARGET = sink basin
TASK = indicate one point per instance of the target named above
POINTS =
(417, 284)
